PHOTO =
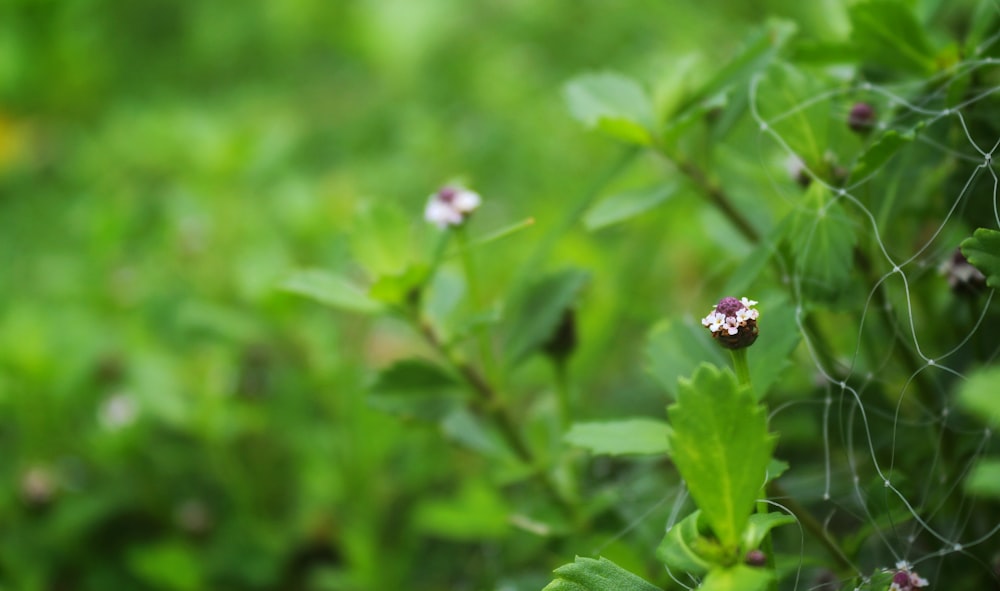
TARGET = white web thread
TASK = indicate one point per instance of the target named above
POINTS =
(950, 541)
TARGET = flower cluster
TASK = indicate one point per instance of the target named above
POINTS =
(450, 206)
(906, 579)
(733, 322)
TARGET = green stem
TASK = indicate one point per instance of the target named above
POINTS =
(438, 254)
(814, 527)
(741, 366)
(472, 280)
(492, 403)
(768, 549)
(562, 393)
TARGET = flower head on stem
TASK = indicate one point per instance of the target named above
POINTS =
(451, 205)
(733, 322)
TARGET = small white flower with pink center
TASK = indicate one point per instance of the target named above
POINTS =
(733, 322)
(906, 579)
(450, 206)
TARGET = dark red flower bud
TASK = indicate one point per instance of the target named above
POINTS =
(861, 118)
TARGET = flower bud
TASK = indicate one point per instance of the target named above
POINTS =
(755, 558)
(861, 119)
(563, 341)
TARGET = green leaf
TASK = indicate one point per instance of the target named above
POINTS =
(822, 237)
(755, 262)
(167, 565)
(775, 468)
(979, 395)
(676, 347)
(625, 205)
(737, 578)
(400, 287)
(721, 447)
(824, 52)
(886, 33)
(685, 548)
(624, 437)
(882, 150)
(587, 574)
(784, 100)
(381, 238)
(477, 512)
(415, 388)
(758, 50)
(759, 526)
(463, 427)
(330, 289)
(613, 104)
(984, 480)
(779, 336)
(538, 312)
(983, 251)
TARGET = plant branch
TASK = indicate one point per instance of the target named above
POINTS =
(493, 404)
(814, 527)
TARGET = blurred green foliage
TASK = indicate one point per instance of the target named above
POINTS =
(170, 420)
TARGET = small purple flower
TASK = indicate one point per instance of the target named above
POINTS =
(450, 206)
(733, 322)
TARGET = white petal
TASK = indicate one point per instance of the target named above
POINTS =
(441, 214)
(466, 201)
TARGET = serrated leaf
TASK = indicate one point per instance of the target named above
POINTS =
(415, 388)
(737, 578)
(330, 289)
(538, 312)
(760, 524)
(721, 447)
(587, 574)
(882, 150)
(775, 469)
(784, 99)
(623, 437)
(984, 480)
(822, 237)
(622, 206)
(685, 549)
(676, 347)
(982, 250)
(612, 103)
(886, 32)
(980, 395)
